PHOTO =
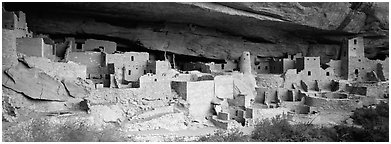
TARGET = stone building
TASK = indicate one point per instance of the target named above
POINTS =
(129, 66)
(35, 47)
(80, 45)
(16, 21)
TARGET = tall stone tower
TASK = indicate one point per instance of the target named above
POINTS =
(245, 63)
(353, 60)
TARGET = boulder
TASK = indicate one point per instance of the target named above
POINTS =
(34, 84)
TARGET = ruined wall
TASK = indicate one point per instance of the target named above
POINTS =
(9, 20)
(220, 67)
(158, 67)
(93, 61)
(287, 64)
(199, 66)
(359, 67)
(263, 67)
(60, 49)
(129, 66)
(311, 71)
(16, 21)
(60, 70)
(130, 71)
(199, 96)
(127, 57)
(76, 45)
(372, 89)
(276, 66)
(385, 69)
(21, 25)
(180, 87)
(185, 77)
(379, 91)
(223, 86)
(331, 104)
(155, 86)
(93, 44)
(216, 67)
(334, 69)
(9, 58)
(268, 83)
(49, 51)
(311, 74)
(244, 84)
(30, 46)
(326, 52)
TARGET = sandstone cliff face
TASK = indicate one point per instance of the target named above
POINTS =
(218, 30)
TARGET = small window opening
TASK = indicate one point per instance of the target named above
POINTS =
(355, 41)
(259, 67)
(129, 72)
(266, 67)
(155, 80)
(354, 48)
(327, 73)
(79, 46)
(132, 58)
(359, 60)
(309, 73)
(145, 72)
(356, 71)
(222, 66)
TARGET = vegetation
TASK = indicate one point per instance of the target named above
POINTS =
(233, 135)
(371, 124)
(279, 129)
(42, 130)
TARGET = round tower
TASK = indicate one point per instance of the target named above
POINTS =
(245, 63)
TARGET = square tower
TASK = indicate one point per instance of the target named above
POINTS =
(352, 57)
(307, 63)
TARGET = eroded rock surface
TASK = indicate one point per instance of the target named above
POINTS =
(219, 30)
(34, 84)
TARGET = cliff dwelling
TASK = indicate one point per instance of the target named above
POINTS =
(169, 71)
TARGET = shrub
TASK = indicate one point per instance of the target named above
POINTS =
(233, 135)
(373, 121)
(279, 129)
